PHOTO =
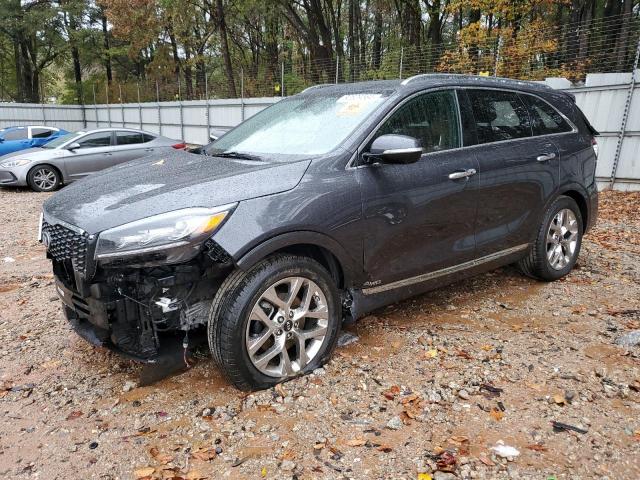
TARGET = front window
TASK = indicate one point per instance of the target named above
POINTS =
(58, 142)
(304, 125)
(432, 118)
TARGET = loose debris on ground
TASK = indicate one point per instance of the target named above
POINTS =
(497, 377)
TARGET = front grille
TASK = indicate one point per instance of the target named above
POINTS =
(66, 244)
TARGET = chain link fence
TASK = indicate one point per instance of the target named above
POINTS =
(570, 51)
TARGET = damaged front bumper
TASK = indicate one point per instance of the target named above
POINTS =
(142, 311)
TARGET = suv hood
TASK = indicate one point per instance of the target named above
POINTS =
(165, 182)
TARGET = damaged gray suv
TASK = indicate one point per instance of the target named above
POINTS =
(321, 208)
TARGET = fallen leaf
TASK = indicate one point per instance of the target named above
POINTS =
(194, 475)
(144, 472)
(356, 442)
(280, 390)
(424, 476)
(496, 414)
(75, 414)
(431, 353)
(446, 461)
(263, 472)
(385, 448)
(559, 399)
(536, 447)
(487, 461)
(391, 392)
(204, 455)
(463, 354)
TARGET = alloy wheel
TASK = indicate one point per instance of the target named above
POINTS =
(44, 178)
(562, 239)
(287, 327)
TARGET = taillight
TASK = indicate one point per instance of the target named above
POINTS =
(179, 146)
(594, 145)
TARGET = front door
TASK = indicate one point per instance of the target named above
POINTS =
(420, 217)
(95, 154)
(518, 171)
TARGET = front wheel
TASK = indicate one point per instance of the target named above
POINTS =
(558, 242)
(44, 178)
(274, 322)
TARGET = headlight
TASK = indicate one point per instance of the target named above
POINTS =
(180, 228)
(15, 163)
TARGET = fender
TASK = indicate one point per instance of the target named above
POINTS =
(576, 187)
(352, 271)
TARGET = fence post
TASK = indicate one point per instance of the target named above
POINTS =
(498, 48)
(84, 112)
(95, 105)
(121, 104)
(401, 60)
(337, 66)
(625, 117)
(139, 105)
(180, 107)
(206, 97)
(242, 94)
(282, 80)
(106, 87)
(159, 111)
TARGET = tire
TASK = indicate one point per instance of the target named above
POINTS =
(251, 309)
(44, 178)
(551, 256)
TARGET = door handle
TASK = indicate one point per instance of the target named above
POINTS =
(462, 174)
(546, 157)
(148, 149)
(107, 154)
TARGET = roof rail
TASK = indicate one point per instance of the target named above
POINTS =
(320, 85)
(406, 81)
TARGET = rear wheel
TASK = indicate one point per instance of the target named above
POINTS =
(274, 322)
(557, 245)
(44, 178)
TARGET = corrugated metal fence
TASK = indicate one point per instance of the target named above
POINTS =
(608, 100)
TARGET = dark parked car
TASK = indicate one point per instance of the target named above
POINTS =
(319, 209)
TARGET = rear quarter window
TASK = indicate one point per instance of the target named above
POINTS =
(545, 119)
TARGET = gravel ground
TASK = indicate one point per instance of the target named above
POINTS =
(431, 387)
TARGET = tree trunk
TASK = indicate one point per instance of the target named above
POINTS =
(376, 55)
(224, 44)
(623, 40)
(106, 46)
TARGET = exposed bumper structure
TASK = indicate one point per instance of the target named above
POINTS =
(139, 311)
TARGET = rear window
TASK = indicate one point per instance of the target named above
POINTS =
(499, 115)
(545, 119)
(41, 132)
(128, 138)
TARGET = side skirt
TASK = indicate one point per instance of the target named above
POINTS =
(368, 299)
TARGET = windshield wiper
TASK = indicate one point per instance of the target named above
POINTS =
(246, 156)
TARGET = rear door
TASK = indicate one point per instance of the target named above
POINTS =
(420, 217)
(95, 154)
(130, 145)
(518, 172)
(14, 140)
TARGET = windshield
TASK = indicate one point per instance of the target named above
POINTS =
(305, 125)
(62, 140)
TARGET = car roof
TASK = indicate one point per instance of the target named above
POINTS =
(422, 81)
(119, 129)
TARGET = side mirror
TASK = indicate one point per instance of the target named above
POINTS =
(395, 149)
(73, 146)
(1, 139)
(213, 137)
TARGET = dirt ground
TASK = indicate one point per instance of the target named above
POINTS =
(428, 389)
